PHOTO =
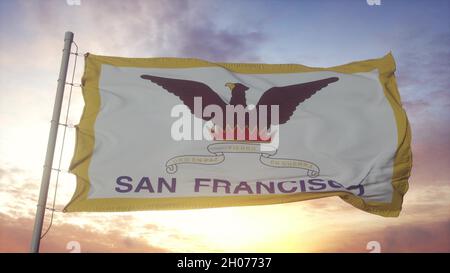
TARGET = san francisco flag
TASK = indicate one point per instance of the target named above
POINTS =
(170, 133)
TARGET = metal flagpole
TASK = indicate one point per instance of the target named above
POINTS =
(46, 174)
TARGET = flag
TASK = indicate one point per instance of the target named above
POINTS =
(174, 133)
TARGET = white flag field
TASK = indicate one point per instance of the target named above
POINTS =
(173, 133)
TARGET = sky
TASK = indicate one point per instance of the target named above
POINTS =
(314, 33)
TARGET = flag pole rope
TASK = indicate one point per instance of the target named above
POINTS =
(65, 125)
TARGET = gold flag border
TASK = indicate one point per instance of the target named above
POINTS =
(85, 139)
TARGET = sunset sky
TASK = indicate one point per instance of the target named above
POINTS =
(313, 33)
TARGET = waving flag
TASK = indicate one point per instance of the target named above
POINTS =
(170, 133)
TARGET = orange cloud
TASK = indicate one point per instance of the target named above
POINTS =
(15, 235)
(407, 237)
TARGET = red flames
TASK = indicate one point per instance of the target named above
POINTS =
(241, 134)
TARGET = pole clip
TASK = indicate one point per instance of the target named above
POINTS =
(74, 84)
(67, 125)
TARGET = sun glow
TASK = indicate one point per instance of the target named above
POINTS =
(274, 228)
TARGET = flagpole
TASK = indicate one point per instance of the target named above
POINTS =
(46, 174)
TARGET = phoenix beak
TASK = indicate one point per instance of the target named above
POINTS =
(230, 85)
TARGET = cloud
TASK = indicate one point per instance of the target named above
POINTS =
(416, 106)
(19, 191)
(15, 235)
(423, 64)
(423, 68)
(431, 143)
(418, 238)
(443, 96)
(220, 45)
(144, 28)
(410, 237)
(423, 225)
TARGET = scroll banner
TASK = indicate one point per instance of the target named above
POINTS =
(220, 149)
(342, 132)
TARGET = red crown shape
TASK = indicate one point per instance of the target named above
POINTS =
(241, 134)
